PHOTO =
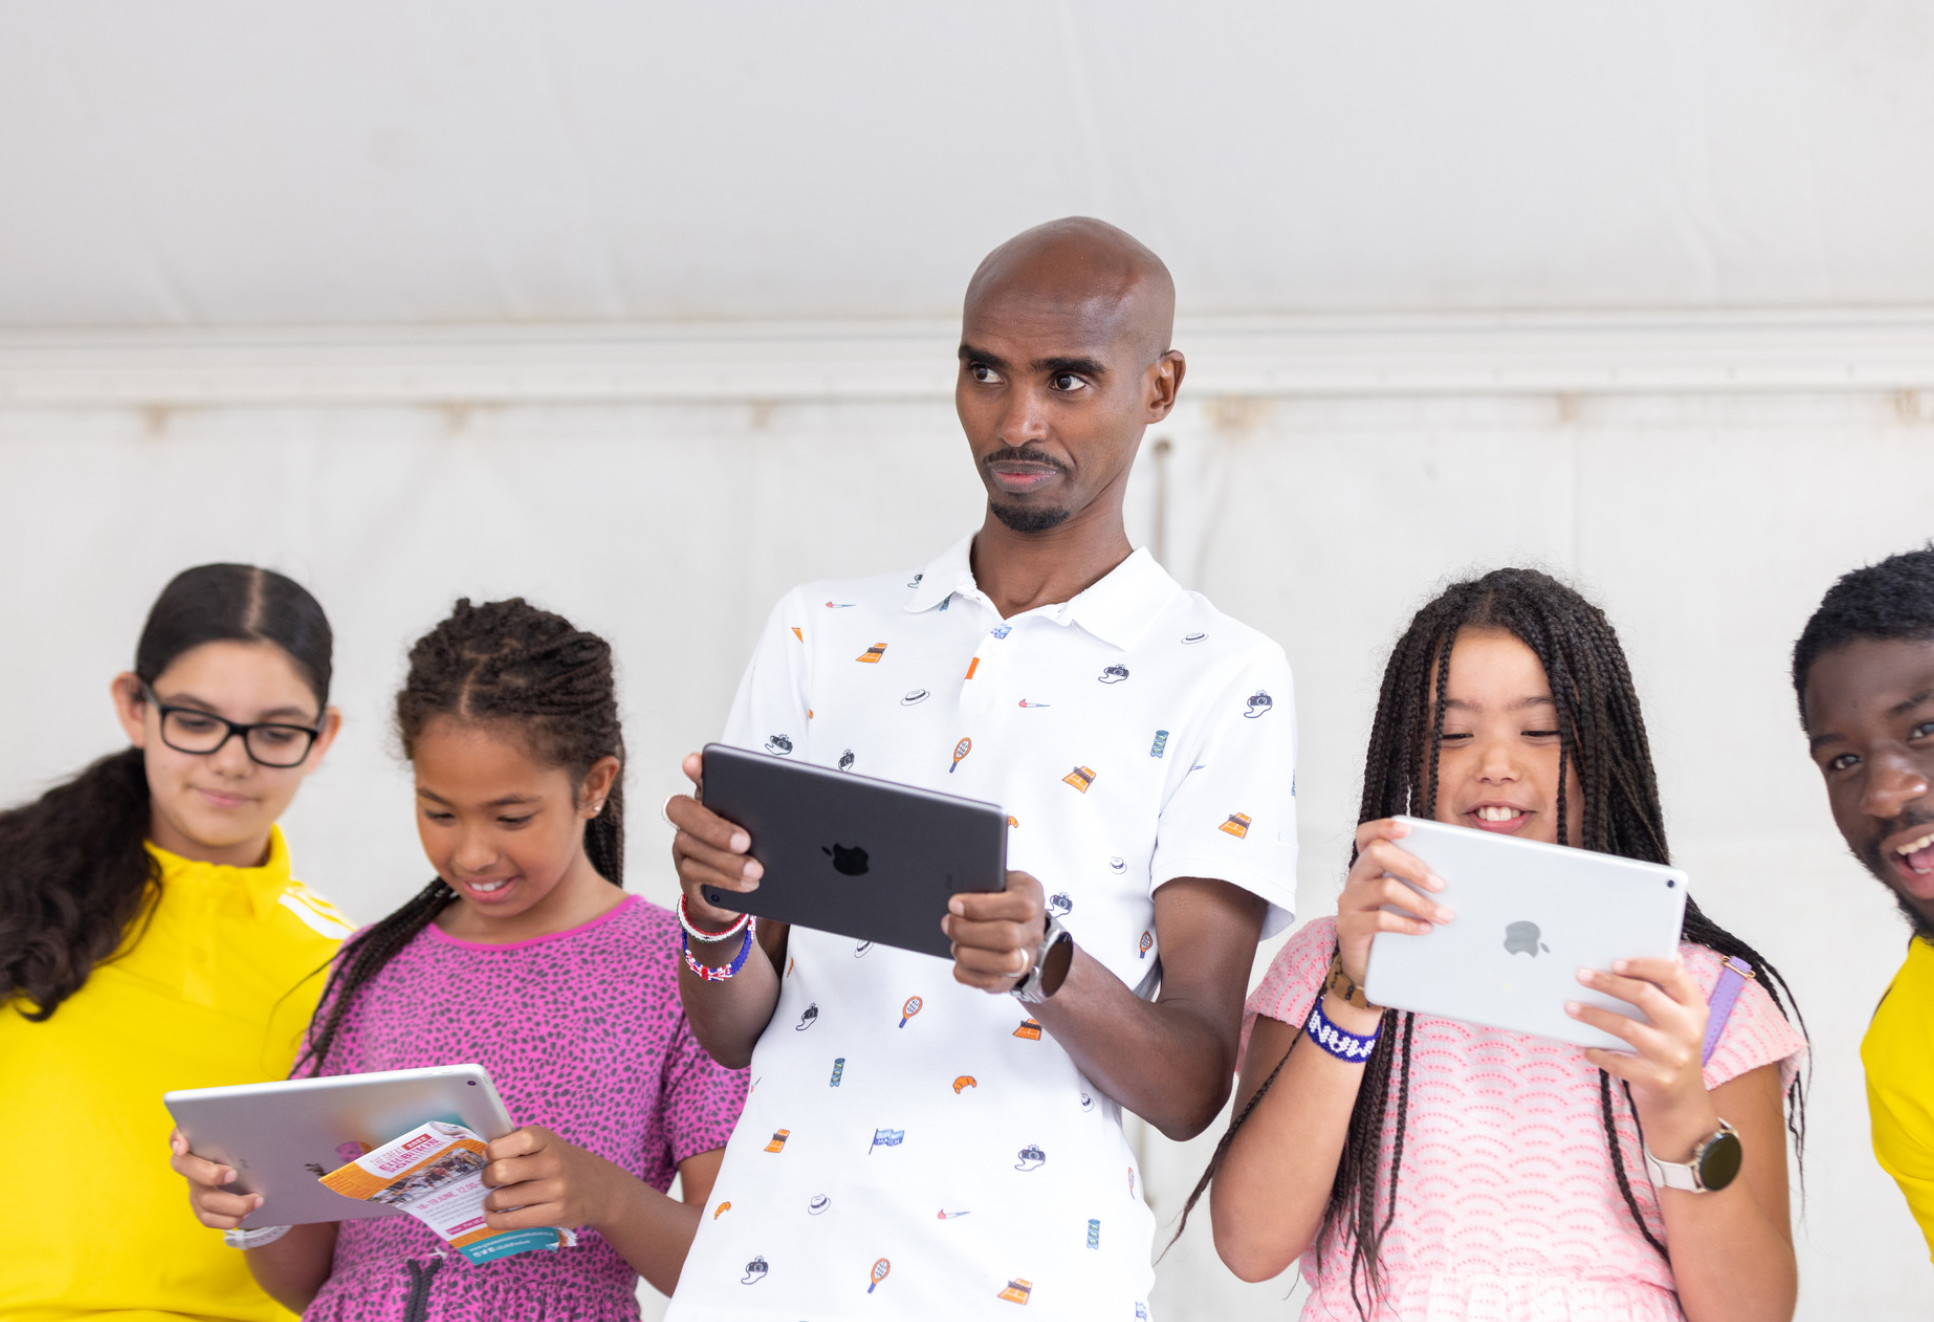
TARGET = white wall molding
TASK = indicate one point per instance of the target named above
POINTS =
(1664, 353)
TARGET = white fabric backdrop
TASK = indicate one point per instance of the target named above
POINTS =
(224, 162)
(1707, 524)
(347, 173)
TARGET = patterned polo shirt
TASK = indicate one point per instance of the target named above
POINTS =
(914, 1147)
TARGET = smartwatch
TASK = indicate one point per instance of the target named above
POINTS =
(1051, 962)
(1715, 1163)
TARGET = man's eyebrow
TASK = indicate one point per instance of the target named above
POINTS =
(1079, 366)
(969, 354)
(1894, 712)
(1903, 707)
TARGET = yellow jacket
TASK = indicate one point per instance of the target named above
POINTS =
(1899, 1055)
(216, 990)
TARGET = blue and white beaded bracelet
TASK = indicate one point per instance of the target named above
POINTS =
(720, 974)
(1342, 1045)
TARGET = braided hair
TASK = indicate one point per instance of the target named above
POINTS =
(1602, 739)
(504, 663)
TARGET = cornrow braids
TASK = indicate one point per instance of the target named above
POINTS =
(1602, 740)
(510, 664)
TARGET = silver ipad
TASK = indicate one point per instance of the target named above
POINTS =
(1528, 917)
(282, 1138)
(871, 859)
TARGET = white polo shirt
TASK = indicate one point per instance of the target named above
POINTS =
(914, 1148)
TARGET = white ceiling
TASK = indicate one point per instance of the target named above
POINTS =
(231, 163)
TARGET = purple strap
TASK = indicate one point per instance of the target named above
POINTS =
(1719, 1006)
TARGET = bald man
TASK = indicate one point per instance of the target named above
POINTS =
(941, 1140)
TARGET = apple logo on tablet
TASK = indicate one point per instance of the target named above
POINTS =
(1522, 939)
(847, 861)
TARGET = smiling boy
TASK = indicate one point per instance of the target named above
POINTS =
(1864, 673)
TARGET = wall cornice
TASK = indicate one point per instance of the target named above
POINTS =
(1628, 353)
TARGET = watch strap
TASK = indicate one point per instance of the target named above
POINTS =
(1672, 1174)
(1686, 1175)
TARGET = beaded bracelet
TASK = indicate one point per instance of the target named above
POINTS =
(258, 1237)
(697, 933)
(706, 971)
(1342, 1045)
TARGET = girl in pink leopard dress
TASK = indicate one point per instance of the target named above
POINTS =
(526, 956)
(1429, 1170)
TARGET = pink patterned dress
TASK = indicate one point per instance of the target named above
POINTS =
(583, 1033)
(1507, 1208)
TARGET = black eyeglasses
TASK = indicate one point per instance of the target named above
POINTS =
(269, 743)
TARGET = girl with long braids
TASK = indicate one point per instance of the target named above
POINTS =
(525, 955)
(151, 937)
(1422, 1168)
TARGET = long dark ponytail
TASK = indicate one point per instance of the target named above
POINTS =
(74, 877)
(1603, 740)
(508, 663)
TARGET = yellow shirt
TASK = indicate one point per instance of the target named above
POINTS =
(217, 990)
(1899, 1055)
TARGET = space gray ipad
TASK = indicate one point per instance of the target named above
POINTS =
(281, 1138)
(871, 859)
(1528, 917)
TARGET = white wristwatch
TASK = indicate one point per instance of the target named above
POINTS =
(1715, 1163)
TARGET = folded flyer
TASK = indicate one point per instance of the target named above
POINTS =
(435, 1173)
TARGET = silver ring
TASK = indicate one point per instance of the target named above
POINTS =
(662, 811)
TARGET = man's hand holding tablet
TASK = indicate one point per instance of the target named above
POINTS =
(993, 936)
(996, 934)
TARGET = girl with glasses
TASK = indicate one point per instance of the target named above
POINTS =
(151, 937)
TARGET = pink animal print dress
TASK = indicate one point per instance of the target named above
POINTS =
(1507, 1209)
(583, 1033)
